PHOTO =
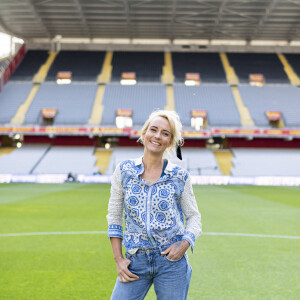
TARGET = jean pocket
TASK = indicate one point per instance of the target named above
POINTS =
(173, 260)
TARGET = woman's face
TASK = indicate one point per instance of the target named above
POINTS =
(158, 136)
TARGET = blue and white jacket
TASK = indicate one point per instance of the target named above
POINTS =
(154, 215)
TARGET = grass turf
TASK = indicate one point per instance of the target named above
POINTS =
(82, 266)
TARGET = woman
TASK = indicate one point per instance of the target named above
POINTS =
(155, 197)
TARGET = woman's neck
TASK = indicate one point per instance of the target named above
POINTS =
(152, 162)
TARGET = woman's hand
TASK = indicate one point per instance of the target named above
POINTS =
(122, 269)
(176, 250)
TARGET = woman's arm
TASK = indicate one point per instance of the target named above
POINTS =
(122, 263)
(193, 227)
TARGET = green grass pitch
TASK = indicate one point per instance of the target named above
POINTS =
(81, 266)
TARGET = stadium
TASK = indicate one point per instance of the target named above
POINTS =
(78, 80)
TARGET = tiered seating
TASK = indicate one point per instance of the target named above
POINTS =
(141, 98)
(66, 159)
(22, 160)
(217, 100)
(146, 65)
(294, 60)
(208, 65)
(30, 65)
(73, 102)
(266, 162)
(123, 153)
(11, 97)
(267, 64)
(279, 98)
(196, 161)
(84, 65)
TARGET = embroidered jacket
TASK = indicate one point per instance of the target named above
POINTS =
(154, 215)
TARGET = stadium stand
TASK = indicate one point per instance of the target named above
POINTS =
(208, 65)
(22, 160)
(266, 162)
(67, 159)
(146, 65)
(73, 102)
(30, 65)
(120, 154)
(294, 60)
(141, 98)
(84, 65)
(267, 64)
(196, 161)
(11, 97)
(217, 100)
(272, 98)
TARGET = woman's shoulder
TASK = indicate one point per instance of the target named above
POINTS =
(177, 171)
(128, 164)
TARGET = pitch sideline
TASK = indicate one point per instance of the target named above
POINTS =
(104, 232)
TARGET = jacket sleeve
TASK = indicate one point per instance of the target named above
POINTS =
(193, 227)
(115, 205)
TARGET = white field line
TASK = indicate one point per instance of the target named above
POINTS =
(105, 232)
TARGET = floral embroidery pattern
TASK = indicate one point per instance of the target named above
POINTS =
(153, 214)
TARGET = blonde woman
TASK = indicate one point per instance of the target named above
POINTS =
(155, 197)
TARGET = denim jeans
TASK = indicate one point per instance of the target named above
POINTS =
(171, 279)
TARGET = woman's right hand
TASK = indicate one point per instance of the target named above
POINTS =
(124, 274)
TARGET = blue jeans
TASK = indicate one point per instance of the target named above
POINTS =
(171, 279)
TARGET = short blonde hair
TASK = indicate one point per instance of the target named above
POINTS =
(175, 125)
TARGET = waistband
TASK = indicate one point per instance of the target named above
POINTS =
(155, 250)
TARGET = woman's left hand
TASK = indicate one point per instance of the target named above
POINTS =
(176, 250)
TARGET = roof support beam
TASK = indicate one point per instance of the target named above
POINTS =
(38, 18)
(263, 19)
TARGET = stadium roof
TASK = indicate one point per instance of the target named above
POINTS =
(246, 20)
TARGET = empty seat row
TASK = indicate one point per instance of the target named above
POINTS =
(148, 66)
(74, 102)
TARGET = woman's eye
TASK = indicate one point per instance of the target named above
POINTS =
(165, 134)
(152, 129)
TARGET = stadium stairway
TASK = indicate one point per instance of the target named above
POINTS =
(231, 77)
(170, 98)
(19, 117)
(6, 150)
(246, 119)
(167, 76)
(103, 157)
(223, 158)
(43, 71)
(233, 80)
(104, 77)
(40, 76)
(96, 115)
(294, 79)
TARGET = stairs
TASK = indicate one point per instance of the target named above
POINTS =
(96, 115)
(223, 158)
(229, 71)
(245, 116)
(41, 75)
(167, 76)
(38, 78)
(294, 79)
(103, 158)
(105, 75)
(170, 98)
(19, 117)
(6, 150)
